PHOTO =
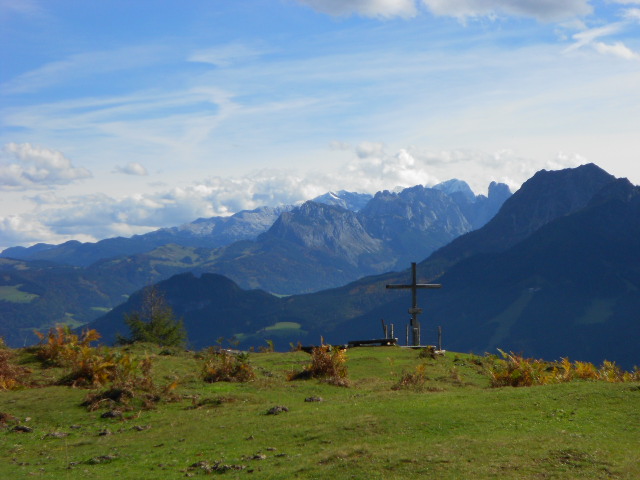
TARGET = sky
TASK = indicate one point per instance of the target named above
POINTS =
(119, 117)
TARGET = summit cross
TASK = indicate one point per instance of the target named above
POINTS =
(414, 310)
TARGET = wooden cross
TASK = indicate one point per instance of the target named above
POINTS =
(414, 310)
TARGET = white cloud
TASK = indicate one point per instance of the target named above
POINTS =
(544, 10)
(24, 166)
(367, 8)
(617, 49)
(132, 168)
(632, 13)
(587, 38)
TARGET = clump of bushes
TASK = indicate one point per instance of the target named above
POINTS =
(12, 376)
(223, 366)
(131, 382)
(415, 379)
(516, 371)
(123, 376)
(327, 363)
(61, 346)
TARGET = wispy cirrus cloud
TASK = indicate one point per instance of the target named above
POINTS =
(225, 55)
(24, 166)
(590, 37)
(367, 8)
(543, 10)
(83, 65)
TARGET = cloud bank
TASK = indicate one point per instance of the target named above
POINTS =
(24, 166)
(372, 167)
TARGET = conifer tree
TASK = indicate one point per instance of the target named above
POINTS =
(155, 322)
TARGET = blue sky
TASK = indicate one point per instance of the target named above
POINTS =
(120, 117)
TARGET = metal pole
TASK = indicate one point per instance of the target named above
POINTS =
(440, 338)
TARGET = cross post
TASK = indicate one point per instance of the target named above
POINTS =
(414, 310)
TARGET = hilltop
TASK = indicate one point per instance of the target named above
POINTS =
(451, 426)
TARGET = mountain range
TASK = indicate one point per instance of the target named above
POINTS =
(288, 250)
(554, 273)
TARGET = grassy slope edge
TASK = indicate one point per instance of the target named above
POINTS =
(454, 426)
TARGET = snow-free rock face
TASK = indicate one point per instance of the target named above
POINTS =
(324, 227)
(414, 222)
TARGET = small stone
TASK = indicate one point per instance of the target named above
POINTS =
(250, 437)
(104, 433)
(22, 429)
(277, 410)
(259, 456)
(314, 399)
(101, 459)
(140, 428)
(111, 414)
(271, 449)
(57, 434)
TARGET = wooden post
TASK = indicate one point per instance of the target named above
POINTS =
(440, 338)
(385, 330)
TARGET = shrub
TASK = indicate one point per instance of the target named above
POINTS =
(428, 352)
(328, 363)
(516, 371)
(11, 376)
(414, 379)
(61, 346)
(130, 381)
(224, 366)
(270, 348)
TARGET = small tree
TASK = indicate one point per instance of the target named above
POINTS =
(154, 323)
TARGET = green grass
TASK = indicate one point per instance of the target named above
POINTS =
(12, 293)
(283, 326)
(453, 427)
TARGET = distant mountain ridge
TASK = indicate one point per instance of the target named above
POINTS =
(216, 232)
(204, 232)
(308, 248)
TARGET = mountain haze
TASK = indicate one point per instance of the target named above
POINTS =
(309, 248)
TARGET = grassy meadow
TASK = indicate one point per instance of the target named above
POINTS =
(401, 416)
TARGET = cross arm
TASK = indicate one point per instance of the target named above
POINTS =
(418, 285)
